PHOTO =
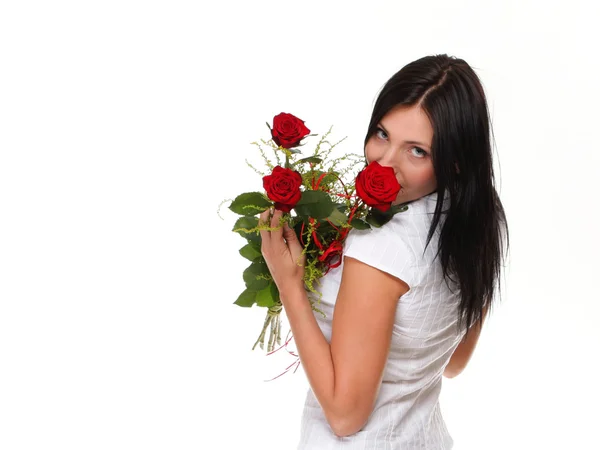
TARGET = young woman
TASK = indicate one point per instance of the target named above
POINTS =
(407, 305)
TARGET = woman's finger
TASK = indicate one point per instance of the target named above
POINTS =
(264, 234)
(276, 235)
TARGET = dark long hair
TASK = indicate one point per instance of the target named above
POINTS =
(474, 229)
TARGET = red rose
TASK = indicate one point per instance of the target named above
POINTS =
(288, 130)
(283, 187)
(377, 186)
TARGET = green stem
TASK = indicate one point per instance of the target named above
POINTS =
(261, 338)
(272, 333)
(279, 332)
(274, 320)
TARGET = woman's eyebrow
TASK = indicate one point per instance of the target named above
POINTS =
(406, 142)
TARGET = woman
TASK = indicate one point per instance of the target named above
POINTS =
(400, 307)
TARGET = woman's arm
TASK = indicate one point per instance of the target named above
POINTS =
(346, 375)
(462, 354)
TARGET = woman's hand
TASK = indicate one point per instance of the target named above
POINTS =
(283, 253)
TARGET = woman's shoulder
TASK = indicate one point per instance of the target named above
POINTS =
(414, 223)
(408, 228)
(403, 240)
(392, 248)
(426, 205)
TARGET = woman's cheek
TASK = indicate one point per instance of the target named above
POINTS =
(427, 176)
(373, 153)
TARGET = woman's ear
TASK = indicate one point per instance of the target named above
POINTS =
(456, 165)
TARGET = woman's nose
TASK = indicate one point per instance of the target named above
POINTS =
(388, 158)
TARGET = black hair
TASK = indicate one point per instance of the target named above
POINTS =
(474, 229)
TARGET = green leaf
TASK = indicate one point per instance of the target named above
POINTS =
(252, 272)
(373, 221)
(395, 209)
(360, 224)
(250, 204)
(310, 159)
(315, 204)
(250, 252)
(246, 299)
(310, 196)
(337, 217)
(268, 296)
(378, 218)
(248, 223)
(315, 210)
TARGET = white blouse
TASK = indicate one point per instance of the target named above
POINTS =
(425, 334)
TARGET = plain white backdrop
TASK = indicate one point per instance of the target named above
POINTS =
(124, 124)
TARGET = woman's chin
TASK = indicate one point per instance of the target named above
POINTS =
(400, 198)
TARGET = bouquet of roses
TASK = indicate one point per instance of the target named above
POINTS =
(320, 206)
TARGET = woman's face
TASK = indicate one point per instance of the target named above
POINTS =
(403, 142)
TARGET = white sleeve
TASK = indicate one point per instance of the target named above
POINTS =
(383, 248)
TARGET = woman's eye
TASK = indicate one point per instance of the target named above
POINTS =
(420, 153)
(380, 130)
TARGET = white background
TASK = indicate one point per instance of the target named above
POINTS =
(124, 124)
